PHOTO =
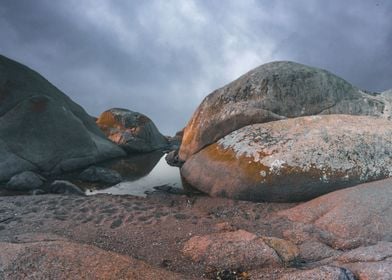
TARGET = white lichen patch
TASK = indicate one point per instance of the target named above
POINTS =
(357, 147)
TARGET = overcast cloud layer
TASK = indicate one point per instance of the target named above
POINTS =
(162, 57)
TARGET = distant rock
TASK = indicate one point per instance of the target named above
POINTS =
(25, 181)
(294, 159)
(100, 174)
(275, 91)
(349, 218)
(65, 187)
(133, 131)
(172, 158)
(42, 129)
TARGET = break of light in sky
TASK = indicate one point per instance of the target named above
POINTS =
(162, 58)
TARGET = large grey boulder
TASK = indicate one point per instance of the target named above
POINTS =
(294, 159)
(133, 131)
(42, 129)
(275, 91)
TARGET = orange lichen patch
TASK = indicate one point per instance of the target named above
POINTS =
(38, 105)
(107, 119)
(187, 143)
(250, 169)
(286, 250)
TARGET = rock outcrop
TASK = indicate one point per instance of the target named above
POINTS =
(42, 129)
(351, 217)
(231, 250)
(274, 91)
(294, 159)
(62, 259)
(133, 131)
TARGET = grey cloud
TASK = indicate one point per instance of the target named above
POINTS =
(162, 57)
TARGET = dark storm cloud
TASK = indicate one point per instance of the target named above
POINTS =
(162, 57)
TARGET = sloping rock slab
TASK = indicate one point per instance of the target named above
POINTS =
(68, 260)
(354, 216)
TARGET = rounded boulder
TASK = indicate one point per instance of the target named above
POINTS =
(294, 159)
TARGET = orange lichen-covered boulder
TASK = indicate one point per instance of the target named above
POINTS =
(274, 91)
(294, 159)
(133, 131)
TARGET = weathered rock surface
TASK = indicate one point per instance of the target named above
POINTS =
(42, 129)
(236, 250)
(100, 174)
(61, 259)
(294, 159)
(275, 91)
(381, 270)
(133, 131)
(351, 217)
(321, 273)
(25, 181)
(65, 187)
(372, 262)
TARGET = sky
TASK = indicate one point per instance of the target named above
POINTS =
(161, 58)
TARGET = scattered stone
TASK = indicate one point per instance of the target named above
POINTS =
(172, 159)
(25, 181)
(65, 187)
(38, 192)
(100, 174)
(133, 131)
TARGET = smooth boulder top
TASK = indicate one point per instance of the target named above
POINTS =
(275, 91)
(294, 159)
(42, 129)
(131, 130)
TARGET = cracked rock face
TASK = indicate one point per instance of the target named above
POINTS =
(294, 159)
(42, 129)
(133, 131)
(275, 91)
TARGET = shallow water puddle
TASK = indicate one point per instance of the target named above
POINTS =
(141, 174)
